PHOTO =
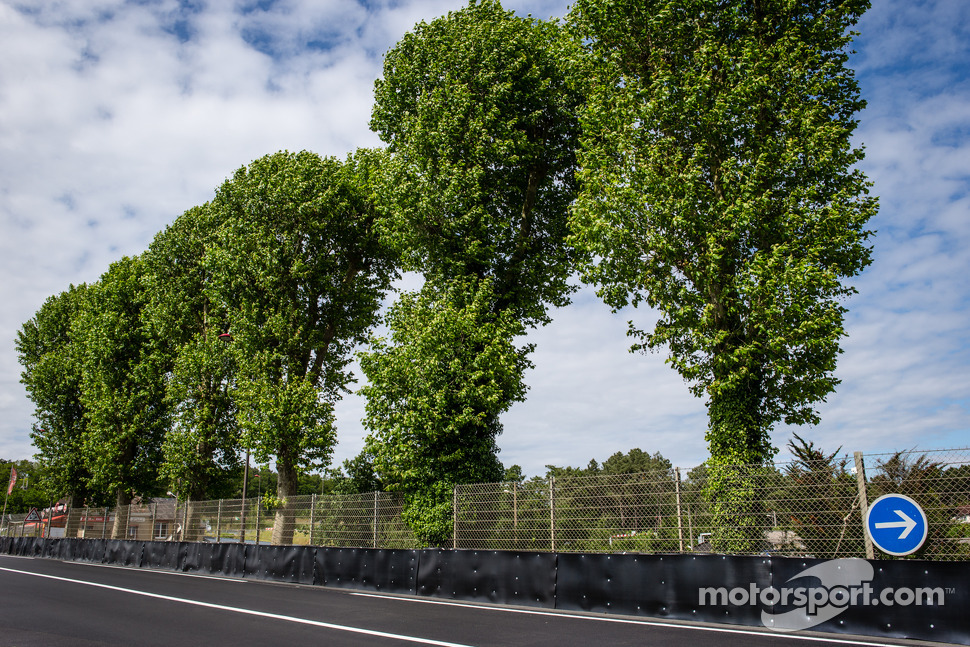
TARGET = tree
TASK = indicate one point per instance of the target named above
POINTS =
(636, 461)
(48, 352)
(718, 187)
(122, 388)
(32, 490)
(300, 272)
(819, 497)
(201, 447)
(481, 131)
(435, 394)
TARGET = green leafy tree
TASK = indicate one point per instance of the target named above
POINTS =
(122, 388)
(361, 475)
(634, 462)
(437, 388)
(32, 490)
(818, 498)
(719, 188)
(52, 376)
(201, 448)
(481, 131)
(300, 272)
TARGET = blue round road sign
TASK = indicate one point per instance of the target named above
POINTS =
(896, 524)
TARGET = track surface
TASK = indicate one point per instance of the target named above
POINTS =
(52, 603)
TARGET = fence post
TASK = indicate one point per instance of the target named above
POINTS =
(552, 511)
(860, 477)
(259, 501)
(313, 509)
(680, 519)
(219, 523)
(375, 519)
(454, 517)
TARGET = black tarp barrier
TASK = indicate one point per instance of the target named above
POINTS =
(503, 577)
(31, 546)
(227, 559)
(5, 545)
(884, 598)
(904, 599)
(375, 569)
(89, 550)
(899, 598)
(62, 549)
(17, 546)
(123, 553)
(656, 585)
(167, 555)
(280, 563)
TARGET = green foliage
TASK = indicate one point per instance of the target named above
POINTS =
(32, 490)
(428, 512)
(482, 130)
(122, 387)
(635, 461)
(201, 447)
(361, 476)
(719, 187)
(437, 388)
(817, 476)
(300, 272)
(50, 356)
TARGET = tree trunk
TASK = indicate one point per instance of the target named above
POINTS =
(740, 446)
(286, 488)
(122, 502)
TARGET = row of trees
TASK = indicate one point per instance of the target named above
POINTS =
(690, 154)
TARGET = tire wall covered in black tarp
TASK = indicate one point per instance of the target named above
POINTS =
(895, 598)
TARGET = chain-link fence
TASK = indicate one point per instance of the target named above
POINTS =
(357, 520)
(814, 506)
(801, 508)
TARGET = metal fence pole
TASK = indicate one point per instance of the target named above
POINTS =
(680, 519)
(104, 524)
(454, 517)
(860, 477)
(374, 542)
(219, 523)
(552, 511)
(690, 528)
(313, 509)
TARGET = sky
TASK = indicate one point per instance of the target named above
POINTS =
(116, 117)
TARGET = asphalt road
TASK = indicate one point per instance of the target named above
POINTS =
(49, 603)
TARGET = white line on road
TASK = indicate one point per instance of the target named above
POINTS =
(651, 623)
(261, 614)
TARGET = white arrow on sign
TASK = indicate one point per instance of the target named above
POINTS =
(907, 524)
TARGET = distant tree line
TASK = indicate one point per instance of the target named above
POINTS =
(699, 161)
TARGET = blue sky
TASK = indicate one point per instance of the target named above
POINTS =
(115, 117)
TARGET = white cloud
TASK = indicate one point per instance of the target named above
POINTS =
(115, 117)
